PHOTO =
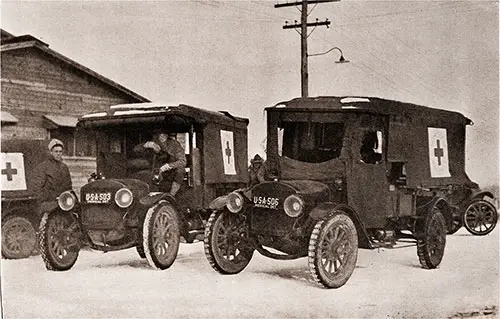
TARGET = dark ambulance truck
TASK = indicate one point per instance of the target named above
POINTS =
(20, 213)
(126, 204)
(344, 173)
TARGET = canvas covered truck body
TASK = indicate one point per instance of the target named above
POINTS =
(126, 203)
(20, 208)
(422, 150)
(349, 172)
(215, 144)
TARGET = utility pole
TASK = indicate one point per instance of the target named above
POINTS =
(304, 75)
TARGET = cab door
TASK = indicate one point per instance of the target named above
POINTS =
(367, 183)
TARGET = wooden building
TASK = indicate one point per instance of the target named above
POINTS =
(43, 93)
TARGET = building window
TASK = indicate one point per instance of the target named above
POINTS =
(76, 142)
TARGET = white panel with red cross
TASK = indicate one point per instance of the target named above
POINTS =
(438, 152)
(227, 143)
(12, 176)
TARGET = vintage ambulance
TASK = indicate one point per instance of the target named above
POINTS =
(349, 172)
(125, 205)
(20, 209)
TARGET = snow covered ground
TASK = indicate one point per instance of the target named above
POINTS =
(387, 283)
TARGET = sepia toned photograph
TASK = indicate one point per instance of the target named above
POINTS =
(249, 159)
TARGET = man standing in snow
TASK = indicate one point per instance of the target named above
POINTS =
(51, 177)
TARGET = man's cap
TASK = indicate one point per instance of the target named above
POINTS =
(55, 142)
(257, 159)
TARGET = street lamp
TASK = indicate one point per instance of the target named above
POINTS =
(305, 76)
(341, 59)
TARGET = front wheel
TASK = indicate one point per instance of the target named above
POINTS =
(18, 237)
(161, 236)
(432, 239)
(140, 251)
(59, 242)
(226, 242)
(333, 251)
(480, 217)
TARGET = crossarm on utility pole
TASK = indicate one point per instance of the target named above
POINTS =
(298, 3)
(310, 24)
(303, 36)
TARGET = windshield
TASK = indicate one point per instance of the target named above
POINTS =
(311, 142)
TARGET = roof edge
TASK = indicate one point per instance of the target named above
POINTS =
(33, 42)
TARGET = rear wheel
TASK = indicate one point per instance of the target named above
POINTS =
(18, 237)
(226, 242)
(161, 236)
(333, 251)
(480, 217)
(59, 243)
(432, 239)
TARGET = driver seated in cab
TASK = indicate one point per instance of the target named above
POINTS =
(172, 159)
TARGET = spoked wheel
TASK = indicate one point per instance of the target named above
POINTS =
(456, 224)
(59, 242)
(18, 237)
(226, 242)
(161, 236)
(480, 217)
(432, 239)
(333, 251)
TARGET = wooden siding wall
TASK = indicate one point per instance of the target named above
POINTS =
(34, 83)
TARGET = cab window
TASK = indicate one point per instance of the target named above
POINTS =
(311, 142)
(371, 147)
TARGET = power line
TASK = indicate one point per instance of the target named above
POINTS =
(470, 8)
(304, 24)
(373, 71)
(415, 77)
(403, 56)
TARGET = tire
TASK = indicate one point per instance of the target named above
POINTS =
(480, 217)
(226, 249)
(161, 236)
(432, 239)
(456, 224)
(18, 237)
(333, 251)
(59, 247)
(140, 251)
(140, 246)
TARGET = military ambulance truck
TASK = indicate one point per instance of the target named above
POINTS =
(127, 204)
(20, 213)
(351, 172)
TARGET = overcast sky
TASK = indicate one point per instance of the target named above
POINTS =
(235, 56)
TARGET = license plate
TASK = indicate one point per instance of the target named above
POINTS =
(97, 198)
(266, 202)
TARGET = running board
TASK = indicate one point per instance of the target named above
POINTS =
(267, 253)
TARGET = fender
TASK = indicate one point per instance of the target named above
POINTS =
(49, 207)
(481, 195)
(218, 203)
(153, 198)
(329, 209)
(443, 204)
